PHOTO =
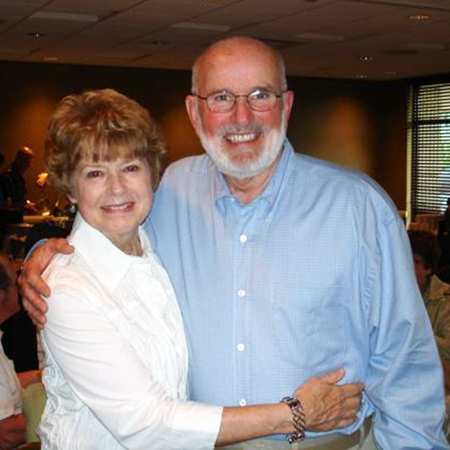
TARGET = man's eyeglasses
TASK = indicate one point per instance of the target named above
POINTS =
(258, 100)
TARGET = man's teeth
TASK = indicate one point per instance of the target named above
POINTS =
(241, 137)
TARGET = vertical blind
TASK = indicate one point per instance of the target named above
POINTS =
(430, 145)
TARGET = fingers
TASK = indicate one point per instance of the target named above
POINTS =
(333, 377)
(351, 389)
(326, 404)
(34, 306)
(58, 245)
(30, 281)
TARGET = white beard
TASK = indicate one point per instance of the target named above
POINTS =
(272, 146)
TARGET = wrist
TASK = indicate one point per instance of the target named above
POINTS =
(297, 419)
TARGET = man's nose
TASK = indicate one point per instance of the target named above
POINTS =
(242, 112)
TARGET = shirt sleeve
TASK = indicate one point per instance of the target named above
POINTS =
(108, 377)
(404, 377)
(10, 390)
(6, 406)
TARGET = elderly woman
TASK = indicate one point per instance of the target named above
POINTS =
(116, 357)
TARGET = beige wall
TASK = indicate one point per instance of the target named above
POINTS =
(358, 124)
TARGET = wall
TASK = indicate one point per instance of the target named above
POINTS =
(355, 123)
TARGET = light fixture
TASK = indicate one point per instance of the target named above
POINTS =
(50, 58)
(361, 76)
(366, 58)
(37, 35)
(419, 16)
(69, 17)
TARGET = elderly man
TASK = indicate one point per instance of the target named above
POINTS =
(286, 266)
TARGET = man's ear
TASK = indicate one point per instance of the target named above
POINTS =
(193, 113)
(288, 102)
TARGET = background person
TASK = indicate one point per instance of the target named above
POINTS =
(287, 266)
(435, 293)
(12, 180)
(116, 356)
(12, 421)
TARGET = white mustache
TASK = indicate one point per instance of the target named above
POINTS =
(238, 129)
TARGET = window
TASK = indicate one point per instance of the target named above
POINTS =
(429, 144)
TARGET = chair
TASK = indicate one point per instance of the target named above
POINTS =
(33, 403)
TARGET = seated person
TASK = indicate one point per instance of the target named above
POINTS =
(435, 293)
(12, 421)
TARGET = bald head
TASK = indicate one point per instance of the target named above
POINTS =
(236, 48)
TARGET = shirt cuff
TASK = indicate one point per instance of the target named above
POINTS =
(197, 425)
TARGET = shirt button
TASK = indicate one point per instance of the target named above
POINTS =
(243, 238)
(242, 402)
(241, 347)
(241, 292)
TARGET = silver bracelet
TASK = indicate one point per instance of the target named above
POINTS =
(298, 419)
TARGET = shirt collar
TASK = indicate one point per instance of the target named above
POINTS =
(270, 193)
(108, 262)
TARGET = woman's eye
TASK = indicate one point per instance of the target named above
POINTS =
(132, 168)
(94, 174)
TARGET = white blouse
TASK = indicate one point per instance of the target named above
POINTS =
(116, 356)
(10, 390)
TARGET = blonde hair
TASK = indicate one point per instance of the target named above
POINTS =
(100, 125)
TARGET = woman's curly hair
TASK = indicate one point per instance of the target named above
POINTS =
(100, 125)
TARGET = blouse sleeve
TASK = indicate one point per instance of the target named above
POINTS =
(105, 373)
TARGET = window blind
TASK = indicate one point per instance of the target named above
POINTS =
(430, 145)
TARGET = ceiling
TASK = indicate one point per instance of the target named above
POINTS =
(372, 39)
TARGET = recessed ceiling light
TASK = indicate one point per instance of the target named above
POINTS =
(366, 58)
(361, 76)
(37, 35)
(419, 16)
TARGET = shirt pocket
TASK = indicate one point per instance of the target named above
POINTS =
(311, 328)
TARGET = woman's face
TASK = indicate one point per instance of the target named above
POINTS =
(113, 196)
